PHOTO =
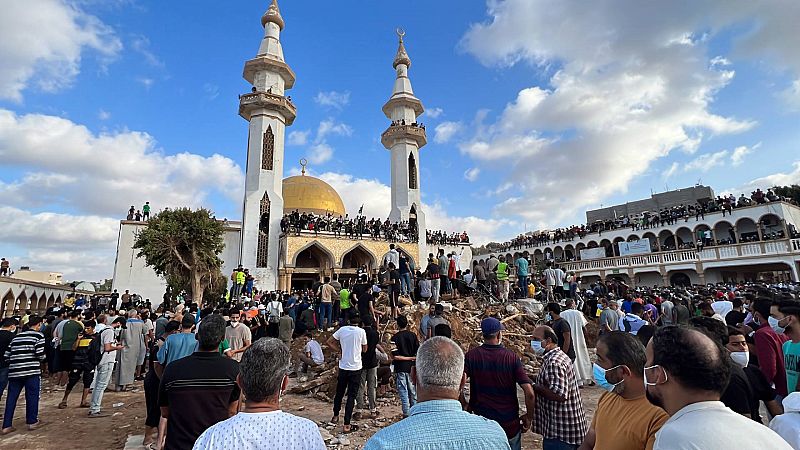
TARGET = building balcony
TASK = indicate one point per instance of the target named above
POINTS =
(395, 132)
(248, 103)
(735, 253)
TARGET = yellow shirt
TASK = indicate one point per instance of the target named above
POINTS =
(621, 424)
(531, 291)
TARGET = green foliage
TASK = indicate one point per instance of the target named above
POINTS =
(791, 192)
(182, 245)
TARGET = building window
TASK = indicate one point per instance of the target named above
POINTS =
(412, 172)
(268, 150)
(263, 232)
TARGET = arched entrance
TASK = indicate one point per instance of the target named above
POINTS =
(310, 265)
(680, 279)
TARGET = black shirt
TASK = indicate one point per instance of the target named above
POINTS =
(363, 297)
(369, 359)
(5, 339)
(560, 327)
(407, 345)
(394, 280)
(762, 390)
(198, 390)
(734, 318)
(738, 393)
(433, 271)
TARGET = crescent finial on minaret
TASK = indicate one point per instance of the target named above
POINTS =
(402, 56)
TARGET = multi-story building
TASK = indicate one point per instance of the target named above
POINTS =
(752, 243)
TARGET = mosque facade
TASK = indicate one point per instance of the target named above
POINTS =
(279, 260)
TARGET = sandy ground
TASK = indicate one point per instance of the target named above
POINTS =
(126, 423)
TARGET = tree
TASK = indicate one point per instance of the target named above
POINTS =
(182, 245)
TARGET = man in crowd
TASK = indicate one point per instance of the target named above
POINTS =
(178, 345)
(351, 342)
(761, 389)
(787, 314)
(84, 362)
(406, 346)
(435, 276)
(199, 390)
(444, 265)
(609, 318)
(494, 373)
(437, 319)
(549, 280)
(238, 336)
(263, 379)
(105, 368)
(424, 323)
(560, 417)
(769, 346)
(8, 329)
(632, 322)
(24, 355)
(437, 417)
(685, 375)
(68, 335)
(522, 273)
(577, 324)
(562, 329)
(502, 273)
(623, 413)
(369, 371)
(327, 294)
(285, 328)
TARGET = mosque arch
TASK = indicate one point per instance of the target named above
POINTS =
(666, 239)
(723, 231)
(313, 255)
(358, 255)
(683, 236)
(771, 226)
(746, 230)
(8, 304)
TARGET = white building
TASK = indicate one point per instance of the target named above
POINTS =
(762, 249)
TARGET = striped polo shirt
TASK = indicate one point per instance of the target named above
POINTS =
(24, 354)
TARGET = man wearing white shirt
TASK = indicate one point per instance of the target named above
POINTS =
(685, 375)
(787, 425)
(351, 341)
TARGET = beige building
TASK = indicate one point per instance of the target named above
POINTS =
(25, 273)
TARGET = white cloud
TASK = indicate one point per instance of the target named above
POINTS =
(319, 153)
(472, 174)
(59, 165)
(63, 164)
(628, 84)
(775, 179)
(331, 127)
(103, 114)
(211, 90)
(146, 82)
(333, 99)
(433, 113)
(298, 137)
(445, 131)
(707, 161)
(791, 95)
(141, 44)
(43, 42)
(672, 170)
(737, 157)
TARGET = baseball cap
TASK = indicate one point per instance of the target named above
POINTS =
(490, 325)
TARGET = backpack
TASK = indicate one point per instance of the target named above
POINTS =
(274, 316)
(95, 351)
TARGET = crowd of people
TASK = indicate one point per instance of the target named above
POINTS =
(353, 228)
(648, 220)
(139, 215)
(673, 362)
(440, 237)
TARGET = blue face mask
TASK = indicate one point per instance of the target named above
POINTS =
(600, 377)
(537, 347)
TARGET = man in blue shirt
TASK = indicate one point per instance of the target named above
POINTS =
(437, 421)
(522, 273)
(179, 345)
(632, 321)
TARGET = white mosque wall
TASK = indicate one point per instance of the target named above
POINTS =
(463, 254)
(133, 274)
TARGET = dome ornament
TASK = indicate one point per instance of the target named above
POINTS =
(303, 164)
(400, 33)
(402, 56)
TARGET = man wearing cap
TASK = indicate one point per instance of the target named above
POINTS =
(494, 373)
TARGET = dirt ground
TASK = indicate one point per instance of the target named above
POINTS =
(126, 423)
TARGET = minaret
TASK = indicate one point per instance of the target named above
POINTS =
(403, 139)
(269, 111)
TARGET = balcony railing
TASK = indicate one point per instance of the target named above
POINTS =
(717, 253)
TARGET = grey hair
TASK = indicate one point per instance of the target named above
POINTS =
(263, 366)
(132, 313)
(440, 364)
(211, 333)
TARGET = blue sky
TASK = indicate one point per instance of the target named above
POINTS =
(538, 109)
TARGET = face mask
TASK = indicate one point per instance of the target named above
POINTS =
(548, 317)
(600, 377)
(537, 347)
(740, 358)
(234, 324)
(773, 322)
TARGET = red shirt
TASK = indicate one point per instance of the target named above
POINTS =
(769, 348)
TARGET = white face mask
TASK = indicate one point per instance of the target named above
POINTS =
(741, 358)
(537, 347)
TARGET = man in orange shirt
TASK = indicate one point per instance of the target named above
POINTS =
(624, 419)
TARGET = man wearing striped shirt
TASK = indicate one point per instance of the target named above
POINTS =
(25, 356)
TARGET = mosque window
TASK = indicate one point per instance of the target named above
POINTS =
(263, 232)
(412, 172)
(268, 151)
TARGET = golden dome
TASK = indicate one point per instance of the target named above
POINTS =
(309, 194)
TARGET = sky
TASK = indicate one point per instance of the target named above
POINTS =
(536, 110)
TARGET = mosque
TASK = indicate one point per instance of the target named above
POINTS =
(282, 261)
